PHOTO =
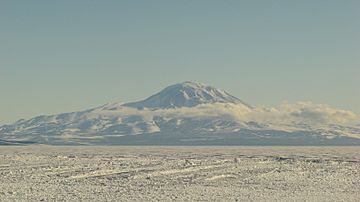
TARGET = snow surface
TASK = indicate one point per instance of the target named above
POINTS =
(186, 94)
(44, 173)
(190, 111)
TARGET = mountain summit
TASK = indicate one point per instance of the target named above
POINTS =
(186, 94)
(187, 113)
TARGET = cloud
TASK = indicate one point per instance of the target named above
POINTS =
(304, 112)
(225, 111)
(285, 113)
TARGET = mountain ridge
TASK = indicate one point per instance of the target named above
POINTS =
(186, 94)
(188, 113)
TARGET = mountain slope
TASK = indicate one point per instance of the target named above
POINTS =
(189, 114)
(186, 94)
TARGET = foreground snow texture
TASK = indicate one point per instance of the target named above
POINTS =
(179, 173)
(190, 114)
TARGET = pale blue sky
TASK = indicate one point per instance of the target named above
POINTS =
(60, 56)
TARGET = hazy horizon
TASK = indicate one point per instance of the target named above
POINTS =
(68, 56)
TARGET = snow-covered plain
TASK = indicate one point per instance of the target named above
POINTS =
(48, 173)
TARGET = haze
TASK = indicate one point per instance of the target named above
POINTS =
(72, 55)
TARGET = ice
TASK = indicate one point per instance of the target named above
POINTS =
(47, 173)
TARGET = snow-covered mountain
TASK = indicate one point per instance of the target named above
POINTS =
(190, 113)
(187, 94)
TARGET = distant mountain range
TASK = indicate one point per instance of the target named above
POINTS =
(190, 113)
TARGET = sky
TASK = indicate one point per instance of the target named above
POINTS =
(62, 56)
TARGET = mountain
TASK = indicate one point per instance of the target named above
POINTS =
(189, 113)
(187, 94)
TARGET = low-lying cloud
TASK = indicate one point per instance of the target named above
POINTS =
(305, 112)
(299, 112)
